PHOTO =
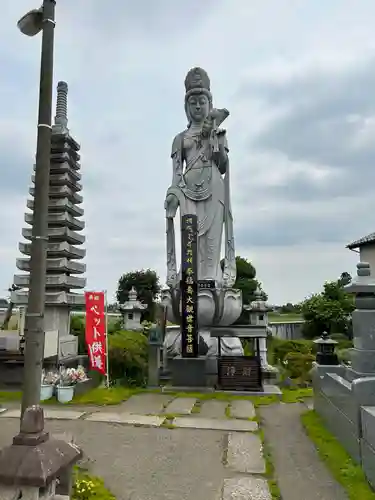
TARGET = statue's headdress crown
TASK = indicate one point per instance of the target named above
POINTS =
(196, 79)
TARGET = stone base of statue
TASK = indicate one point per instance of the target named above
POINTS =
(216, 307)
(189, 372)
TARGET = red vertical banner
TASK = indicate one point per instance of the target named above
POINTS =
(95, 333)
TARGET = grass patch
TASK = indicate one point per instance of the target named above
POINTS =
(227, 411)
(197, 407)
(297, 395)
(87, 487)
(7, 396)
(342, 467)
(101, 396)
(284, 318)
(270, 470)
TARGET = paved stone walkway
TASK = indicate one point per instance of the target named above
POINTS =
(300, 473)
(198, 451)
(164, 448)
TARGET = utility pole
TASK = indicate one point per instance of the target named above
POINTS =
(32, 23)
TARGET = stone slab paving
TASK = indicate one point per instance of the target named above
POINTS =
(48, 414)
(242, 409)
(146, 404)
(215, 424)
(181, 406)
(126, 418)
(213, 409)
(140, 463)
(245, 453)
(299, 471)
(246, 488)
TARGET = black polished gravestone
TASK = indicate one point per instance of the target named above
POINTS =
(240, 373)
(189, 288)
(189, 370)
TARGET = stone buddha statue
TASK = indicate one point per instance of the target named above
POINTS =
(200, 186)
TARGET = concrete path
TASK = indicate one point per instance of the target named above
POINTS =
(299, 471)
(163, 452)
(164, 448)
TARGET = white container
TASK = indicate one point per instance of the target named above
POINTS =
(65, 393)
(46, 392)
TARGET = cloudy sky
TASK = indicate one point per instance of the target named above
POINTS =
(298, 77)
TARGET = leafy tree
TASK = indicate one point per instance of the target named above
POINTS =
(146, 282)
(247, 283)
(289, 308)
(328, 311)
(345, 278)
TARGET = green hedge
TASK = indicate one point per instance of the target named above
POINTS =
(128, 354)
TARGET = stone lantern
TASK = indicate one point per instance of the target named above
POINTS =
(132, 311)
(259, 318)
(326, 350)
(35, 466)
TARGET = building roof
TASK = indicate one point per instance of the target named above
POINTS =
(365, 240)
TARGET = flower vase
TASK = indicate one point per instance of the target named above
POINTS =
(65, 393)
(46, 392)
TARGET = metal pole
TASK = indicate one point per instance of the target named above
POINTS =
(106, 339)
(34, 321)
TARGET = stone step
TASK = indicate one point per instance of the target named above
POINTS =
(215, 424)
(245, 453)
(126, 418)
(48, 414)
(181, 406)
(242, 409)
(246, 488)
(213, 409)
(146, 404)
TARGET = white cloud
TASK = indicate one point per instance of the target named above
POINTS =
(125, 66)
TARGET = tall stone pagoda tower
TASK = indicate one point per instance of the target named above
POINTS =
(64, 254)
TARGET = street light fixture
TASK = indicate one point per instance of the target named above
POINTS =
(31, 24)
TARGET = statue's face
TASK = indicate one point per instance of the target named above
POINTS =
(199, 107)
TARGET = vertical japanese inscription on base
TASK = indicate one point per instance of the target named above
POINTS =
(189, 287)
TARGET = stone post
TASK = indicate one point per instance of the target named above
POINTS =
(363, 354)
(33, 464)
(155, 343)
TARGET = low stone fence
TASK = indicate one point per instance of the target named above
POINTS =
(348, 410)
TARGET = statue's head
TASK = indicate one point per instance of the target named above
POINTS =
(198, 98)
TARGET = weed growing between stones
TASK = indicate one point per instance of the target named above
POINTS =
(87, 487)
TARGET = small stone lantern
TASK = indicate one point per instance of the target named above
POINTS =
(326, 350)
(32, 466)
(132, 311)
(259, 317)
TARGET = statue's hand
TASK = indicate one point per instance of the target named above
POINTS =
(171, 205)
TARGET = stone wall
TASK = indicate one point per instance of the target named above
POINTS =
(287, 331)
(348, 411)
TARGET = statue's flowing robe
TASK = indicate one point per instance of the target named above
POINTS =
(201, 190)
